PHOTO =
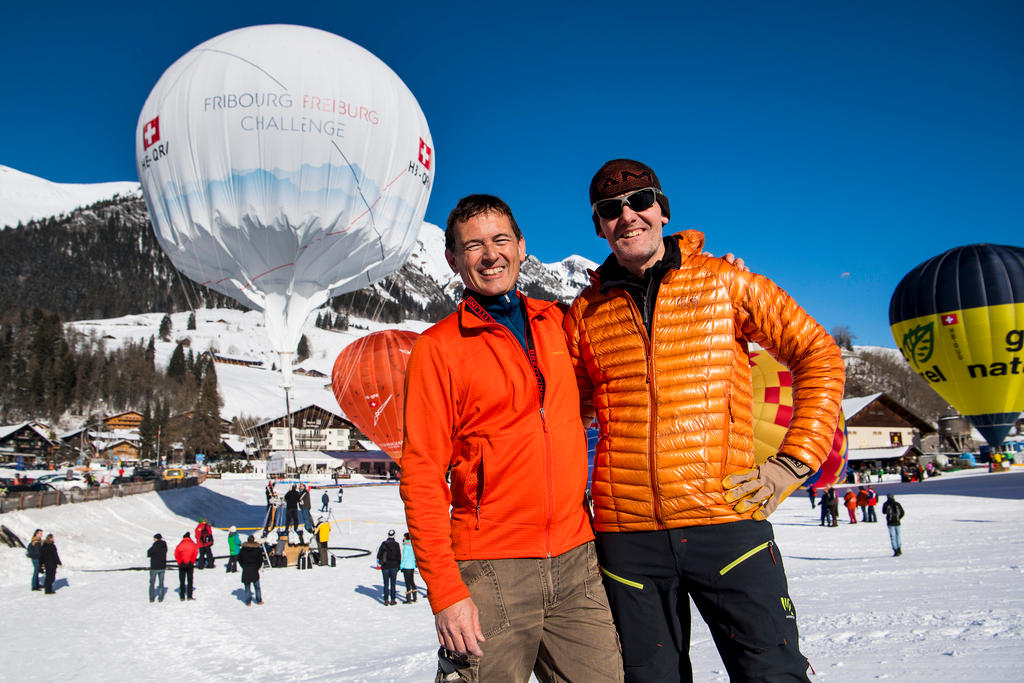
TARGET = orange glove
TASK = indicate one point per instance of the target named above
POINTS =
(765, 486)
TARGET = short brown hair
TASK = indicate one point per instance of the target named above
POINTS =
(474, 205)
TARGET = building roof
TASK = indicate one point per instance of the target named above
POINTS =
(852, 406)
(37, 427)
(886, 453)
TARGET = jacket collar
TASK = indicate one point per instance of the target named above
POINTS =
(534, 309)
(678, 248)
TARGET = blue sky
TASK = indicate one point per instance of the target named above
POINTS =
(833, 145)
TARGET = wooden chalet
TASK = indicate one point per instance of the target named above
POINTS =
(314, 428)
(881, 432)
(29, 440)
(131, 419)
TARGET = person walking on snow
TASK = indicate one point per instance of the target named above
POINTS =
(862, 503)
(204, 539)
(50, 560)
(872, 502)
(893, 512)
(408, 568)
(811, 492)
(325, 503)
(850, 501)
(389, 559)
(32, 551)
(323, 532)
(304, 510)
(291, 504)
(157, 554)
(250, 556)
(233, 547)
(185, 555)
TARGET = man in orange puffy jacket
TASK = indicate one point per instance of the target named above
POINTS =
(185, 555)
(506, 549)
(659, 342)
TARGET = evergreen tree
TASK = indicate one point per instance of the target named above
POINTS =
(192, 320)
(303, 352)
(151, 352)
(177, 368)
(204, 432)
(165, 328)
(147, 434)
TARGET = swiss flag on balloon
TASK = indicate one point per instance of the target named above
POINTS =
(426, 154)
(150, 133)
(949, 319)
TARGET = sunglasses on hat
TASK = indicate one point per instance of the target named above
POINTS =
(640, 200)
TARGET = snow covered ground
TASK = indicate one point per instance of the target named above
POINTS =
(950, 609)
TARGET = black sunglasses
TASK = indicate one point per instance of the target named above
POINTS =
(641, 200)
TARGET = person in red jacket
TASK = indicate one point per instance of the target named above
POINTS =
(204, 539)
(850, 501)
(506, 549)
(185, 555)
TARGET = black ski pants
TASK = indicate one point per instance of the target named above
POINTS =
(734, 574)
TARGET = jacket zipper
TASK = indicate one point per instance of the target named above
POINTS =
(652, 423)
(547, 442)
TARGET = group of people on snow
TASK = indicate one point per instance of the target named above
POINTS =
(45, 560)
(390, 559)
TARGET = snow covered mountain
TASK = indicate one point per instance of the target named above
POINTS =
(25, 197)
(109, 246)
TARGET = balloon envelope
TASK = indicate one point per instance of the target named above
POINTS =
(368, 380)
(958, 319)
(772, 411)
(282, 165)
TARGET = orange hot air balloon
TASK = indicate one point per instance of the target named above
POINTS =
(772, 386)
(368, 380)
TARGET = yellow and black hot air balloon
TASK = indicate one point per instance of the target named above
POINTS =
(958, 319)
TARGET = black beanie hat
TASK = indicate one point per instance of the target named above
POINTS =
(619, 176)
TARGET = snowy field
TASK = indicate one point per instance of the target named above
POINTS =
(950, 609)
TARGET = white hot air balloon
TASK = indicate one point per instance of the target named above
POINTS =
(283, 165)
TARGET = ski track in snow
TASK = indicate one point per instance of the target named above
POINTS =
(950, 609)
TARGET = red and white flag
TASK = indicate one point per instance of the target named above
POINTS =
(426, 154)
(150, 133)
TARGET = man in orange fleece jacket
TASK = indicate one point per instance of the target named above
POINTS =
(506, 548)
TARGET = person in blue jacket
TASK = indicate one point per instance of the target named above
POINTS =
(408, 568)
(34, 546)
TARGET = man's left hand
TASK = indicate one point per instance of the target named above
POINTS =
(765, 486)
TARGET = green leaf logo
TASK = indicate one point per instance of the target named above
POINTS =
(919, 343)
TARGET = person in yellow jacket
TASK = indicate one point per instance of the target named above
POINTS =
(659, 343)
(323, 532)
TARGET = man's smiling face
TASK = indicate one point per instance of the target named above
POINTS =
(487, 254)
(635, 237)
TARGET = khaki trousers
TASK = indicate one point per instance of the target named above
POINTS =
(548, 616)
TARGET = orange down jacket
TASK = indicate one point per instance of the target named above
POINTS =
(675, 412)
(518, 468)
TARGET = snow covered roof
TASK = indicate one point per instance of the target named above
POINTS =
(886, 453)
(39, 428)
(852, 406)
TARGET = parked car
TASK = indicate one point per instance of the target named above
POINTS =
(144, 474)
(174, 473)
(73, 483)
(30, 488)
